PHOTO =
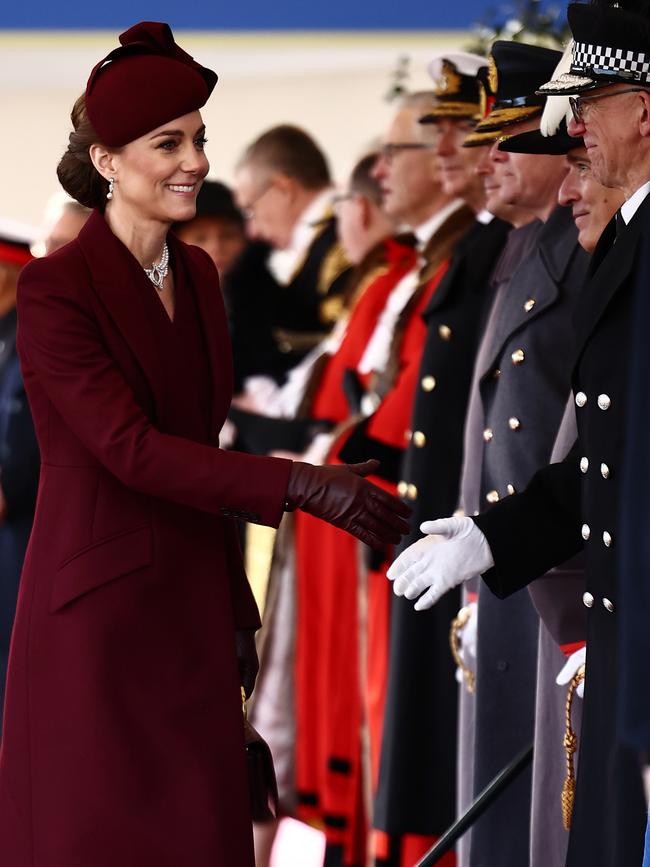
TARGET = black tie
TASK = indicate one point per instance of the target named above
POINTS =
(620, 224)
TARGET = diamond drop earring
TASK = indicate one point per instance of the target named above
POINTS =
(111, 183)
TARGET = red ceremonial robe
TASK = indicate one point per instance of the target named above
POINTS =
(123, 740)
(342, 635)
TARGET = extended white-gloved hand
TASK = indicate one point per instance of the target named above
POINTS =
(468, 635)
(569, 669)
(453, 551)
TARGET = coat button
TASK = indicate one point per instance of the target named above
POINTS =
(587, 600)
(488, 435)
(412, 492)
(510, 489)
(608, 605)
(496, 373)
(604, 471)
(585, 531)
(604, 401)
(445, 332)
(584, 465)
(492, 496)
(514, 423)
(528, 306)
(607, 539)
(419, 439)
(402, 489)
(581, 399)
(518, 356)
(428, 383)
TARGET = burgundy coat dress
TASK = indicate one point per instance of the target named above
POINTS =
(123, 740)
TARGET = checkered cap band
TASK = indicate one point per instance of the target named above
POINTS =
(631, 65)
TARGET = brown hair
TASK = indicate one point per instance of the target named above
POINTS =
(291, 151)
(362, 181)
(76, 172)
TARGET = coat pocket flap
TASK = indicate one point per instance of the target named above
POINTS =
(100, 563)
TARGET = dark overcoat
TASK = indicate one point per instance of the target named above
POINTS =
(19, 471)
(274, 326)
(416, 777)
(123, 739)
(523, 382)
(575, 503)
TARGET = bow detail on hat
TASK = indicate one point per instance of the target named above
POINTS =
(155, 37)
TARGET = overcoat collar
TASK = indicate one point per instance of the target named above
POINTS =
(612, 263)
(119, 282)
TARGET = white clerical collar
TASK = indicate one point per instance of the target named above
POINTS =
(425, 231)
(284, 263)
(632, 205)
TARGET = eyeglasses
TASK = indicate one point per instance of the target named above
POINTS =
(388, 151)
(249, 210)
(337, 198)
(578, 103)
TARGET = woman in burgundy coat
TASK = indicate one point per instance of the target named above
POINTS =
(123, 741)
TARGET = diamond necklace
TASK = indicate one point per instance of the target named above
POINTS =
(159, 270)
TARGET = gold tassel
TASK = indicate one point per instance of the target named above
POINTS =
(570, 746)
(457, 625)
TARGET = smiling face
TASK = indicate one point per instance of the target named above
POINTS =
(592, 204)
(615, 131)
(158, 176)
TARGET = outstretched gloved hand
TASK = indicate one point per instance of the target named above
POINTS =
(342, 496)
(570, 669)
(453, 551)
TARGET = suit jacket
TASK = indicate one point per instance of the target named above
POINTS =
(19, 471)
(123, 739)
(416, 776)
(574, 504)
(273, 326)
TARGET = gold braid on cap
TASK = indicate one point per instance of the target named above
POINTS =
(499, 117)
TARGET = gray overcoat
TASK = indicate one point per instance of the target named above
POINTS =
(522, 382)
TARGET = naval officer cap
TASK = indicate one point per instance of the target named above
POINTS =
(144, 83)
(611, 45)
(552, 137)
(455, 85)
(487, 99)
(515, 72)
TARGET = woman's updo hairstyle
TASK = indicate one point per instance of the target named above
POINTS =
(76, 172)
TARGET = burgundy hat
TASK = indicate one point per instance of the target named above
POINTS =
(143, 84)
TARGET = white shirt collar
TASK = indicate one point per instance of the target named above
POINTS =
(632, 205)
(425, 231)
(283, 263)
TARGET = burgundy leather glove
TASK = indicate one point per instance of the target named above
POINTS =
(247, 659)
(342, 496)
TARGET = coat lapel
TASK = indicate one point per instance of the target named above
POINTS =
(201, 278)
(538, 280)
(118, 281)
(611, 266)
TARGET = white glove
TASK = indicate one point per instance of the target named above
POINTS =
(468, 636)
(569, 669)
(453, 551)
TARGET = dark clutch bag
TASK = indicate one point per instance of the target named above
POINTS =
(261, 776)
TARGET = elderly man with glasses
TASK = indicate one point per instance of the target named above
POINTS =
(416, 799)
(574, 504)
